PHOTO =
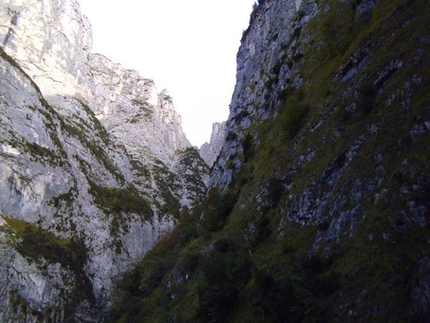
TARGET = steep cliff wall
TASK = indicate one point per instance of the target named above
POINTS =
(319, 209)
(210, 151)
(51, 41)
(132, 110)
(94, 166)
(271, 40)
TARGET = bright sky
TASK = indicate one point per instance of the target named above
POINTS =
(188, 47)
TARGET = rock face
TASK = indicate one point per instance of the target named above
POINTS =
(51, 41)
(262, 51)
(132, 110)
(94, 166)
(210, 151)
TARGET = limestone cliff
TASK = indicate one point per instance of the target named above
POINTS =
(210, 151)
(318, 209)
(51, 41)
(94, 166)
(271, 40)
(133, 111)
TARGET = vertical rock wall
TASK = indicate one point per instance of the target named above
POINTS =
(270, 40)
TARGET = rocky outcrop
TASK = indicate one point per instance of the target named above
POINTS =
(54, 50)
(210, 151)
(318, 209)
(94, 166)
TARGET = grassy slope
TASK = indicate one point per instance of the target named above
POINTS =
(250, 258)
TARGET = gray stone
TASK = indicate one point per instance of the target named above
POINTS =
(263, 48)
(210, 151)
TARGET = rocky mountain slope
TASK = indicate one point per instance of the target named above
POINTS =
(94, 166)
(319, 208)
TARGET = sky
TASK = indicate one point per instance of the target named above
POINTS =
(187, 47)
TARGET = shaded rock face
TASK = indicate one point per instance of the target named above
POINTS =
(210, 151)
(94, 166)
(271, 39)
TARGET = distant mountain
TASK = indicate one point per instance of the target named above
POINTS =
(209, 151)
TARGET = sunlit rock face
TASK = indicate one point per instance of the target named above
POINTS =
(132, 110)
(58, 173)
(210, 151)
(94, 166)
(51, 41)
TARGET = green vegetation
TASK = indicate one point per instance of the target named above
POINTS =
(192, 167)
(38, 246)
(166, 183)
(205, 272)
(293, 115)
(118, 204)
(366, 99)
(327, 218)
(66, 198)
(95, 125)
(146, 110)
(36, 243)
(119, 200)
(43, 154)
(78, 131)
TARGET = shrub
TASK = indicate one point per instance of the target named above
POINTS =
(248, 148)
(120, 200)
(226, 271)
(36, 243)
(218, 207)
(293, 116)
